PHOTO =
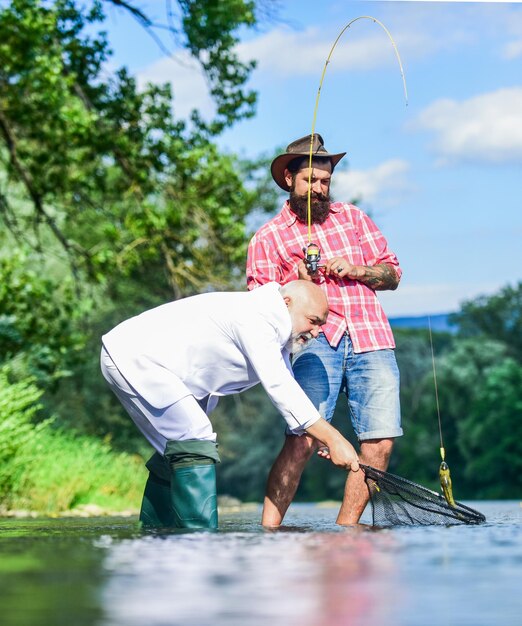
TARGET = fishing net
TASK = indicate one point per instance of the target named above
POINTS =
(397, 501)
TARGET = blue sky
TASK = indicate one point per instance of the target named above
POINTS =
(442, 176)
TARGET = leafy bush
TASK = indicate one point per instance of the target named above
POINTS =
(51, 470)
(18, 405)
(39, 331)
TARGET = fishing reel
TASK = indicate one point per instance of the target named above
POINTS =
(312, 257)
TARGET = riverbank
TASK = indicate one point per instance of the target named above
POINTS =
(226, 504)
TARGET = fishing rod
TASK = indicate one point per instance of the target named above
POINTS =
(312, 251)
(444, 470)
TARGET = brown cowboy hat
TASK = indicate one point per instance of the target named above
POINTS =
(300, 148)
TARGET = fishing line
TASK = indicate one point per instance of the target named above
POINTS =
(444, 470)
(361, 17)
(442, 451)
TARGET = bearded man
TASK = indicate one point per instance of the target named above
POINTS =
(354, 353)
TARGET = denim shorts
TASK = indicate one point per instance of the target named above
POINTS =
(370, 381)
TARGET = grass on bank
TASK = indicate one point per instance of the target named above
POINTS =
(51, 471)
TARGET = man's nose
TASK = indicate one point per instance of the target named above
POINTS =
(316, 186)
(315, 332)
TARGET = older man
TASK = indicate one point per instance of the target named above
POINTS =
(350, 260)
(169, 365)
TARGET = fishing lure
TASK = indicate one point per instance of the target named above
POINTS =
(445, 483)
(444, 470)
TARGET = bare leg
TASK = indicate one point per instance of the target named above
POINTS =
(374, 452)
(284, 478)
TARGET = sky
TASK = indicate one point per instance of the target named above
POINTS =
(440, 173)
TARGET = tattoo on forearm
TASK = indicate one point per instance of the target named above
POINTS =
(380, 277)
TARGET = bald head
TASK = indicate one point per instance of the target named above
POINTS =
(309, 295)
(308, 308)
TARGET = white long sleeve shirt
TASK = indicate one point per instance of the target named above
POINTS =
(212, 345)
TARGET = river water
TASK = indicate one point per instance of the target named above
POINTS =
(107, 572)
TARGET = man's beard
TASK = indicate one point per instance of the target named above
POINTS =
(294, 346)
(320, 207)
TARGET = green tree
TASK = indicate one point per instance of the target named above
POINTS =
(416, 454)
(39, 334)
(461, 374)
(250, 434)
(101, 178)
(498, 317)
(491, 433)
(106, 169)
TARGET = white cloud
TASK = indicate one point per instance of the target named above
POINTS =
(513, 49)
(486, 128)
(385, 183)
(284, 52)
(188, 83)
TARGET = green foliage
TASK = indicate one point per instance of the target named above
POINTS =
(498, 317)
(111, 205)
(50, 470)
(491, 433)
(106, 169)
(18, 405)
(68, 470)
(121, 205)
(251, 433)
(470, 410)
(39, 333)
(208, 26)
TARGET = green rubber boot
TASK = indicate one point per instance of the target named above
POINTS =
(193, 483)
(193, 496)
(156, 507)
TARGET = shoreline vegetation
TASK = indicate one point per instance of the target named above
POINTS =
(47, 469)
(226, 504)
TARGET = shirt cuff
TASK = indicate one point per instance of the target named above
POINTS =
(301, 428)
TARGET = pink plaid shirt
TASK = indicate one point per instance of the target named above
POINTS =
(277, 247)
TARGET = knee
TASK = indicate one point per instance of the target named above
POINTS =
(376, 452)
(385, 446)
(300, 449)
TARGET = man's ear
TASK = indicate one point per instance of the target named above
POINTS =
(288, 300)
(288, 177)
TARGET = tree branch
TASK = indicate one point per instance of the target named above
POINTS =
(10, 219)
(37, 200)
(144, 21)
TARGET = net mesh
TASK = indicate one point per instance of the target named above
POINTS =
(397, 501)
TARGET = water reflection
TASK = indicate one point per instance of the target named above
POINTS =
(311, 573)
(252, 578)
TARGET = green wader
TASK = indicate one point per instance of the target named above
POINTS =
(181, 488)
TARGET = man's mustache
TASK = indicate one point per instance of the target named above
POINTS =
(316, 196)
